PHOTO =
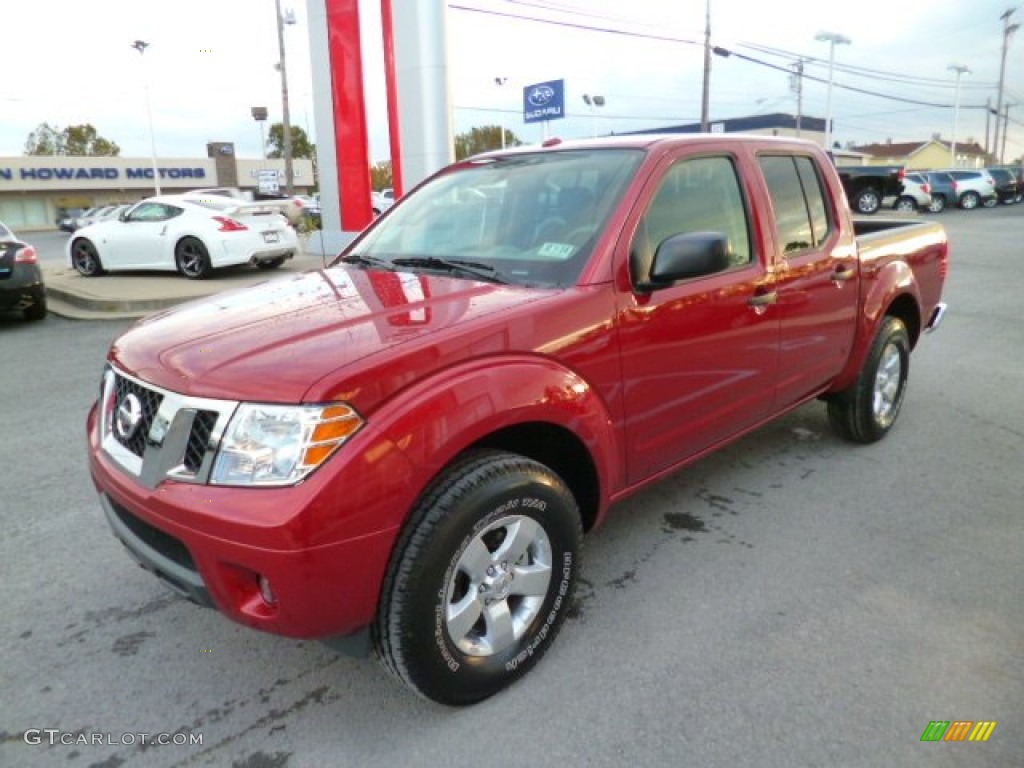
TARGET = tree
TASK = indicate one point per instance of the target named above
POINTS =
(483, 139)
(381, 176)
(79, 140)
(301, 145)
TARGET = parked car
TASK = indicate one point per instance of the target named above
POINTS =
(943, 189)
(289, 207)
(21, 280)
(190, 234)
(868, 185)
(974, 187)
(917, 193)
(380, 202)
(66, 218)
(412, 441)
(1008, 187)
(93, 215)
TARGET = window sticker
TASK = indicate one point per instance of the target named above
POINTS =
(560, 251)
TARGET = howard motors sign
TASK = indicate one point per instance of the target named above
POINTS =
(58, 173)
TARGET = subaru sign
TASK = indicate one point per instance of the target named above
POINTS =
(544, 101)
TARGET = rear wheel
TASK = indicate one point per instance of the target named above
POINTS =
(867, 200)
(85, 259)
(481, 578)
(192, 259)
(866, 411)
(969, 200)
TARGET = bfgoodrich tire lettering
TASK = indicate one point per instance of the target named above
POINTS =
(481, 578)
(866, 412)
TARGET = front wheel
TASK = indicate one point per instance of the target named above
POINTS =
(192, 259)
(906, 204)
(481, 578)
(866, 411)
(938, 204)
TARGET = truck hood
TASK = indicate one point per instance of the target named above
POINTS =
(272, 341)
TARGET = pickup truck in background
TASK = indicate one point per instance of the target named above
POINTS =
(409, 444)
(867, 186)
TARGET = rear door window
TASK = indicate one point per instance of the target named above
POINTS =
(801, 216)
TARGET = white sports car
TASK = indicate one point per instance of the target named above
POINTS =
(190, 234)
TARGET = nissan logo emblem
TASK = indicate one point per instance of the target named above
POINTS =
(128, 416)
(541, 95)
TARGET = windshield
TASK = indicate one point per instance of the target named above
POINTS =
(529, 219)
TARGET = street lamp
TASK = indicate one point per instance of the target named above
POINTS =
(593, 101)
(500, 81)
(960, 69)
(141, 46)
(286, 126)
(833, 40)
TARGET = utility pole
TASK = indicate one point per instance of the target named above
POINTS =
(988, 125)
(289, 173)
(1006, 125)
(705, 100)
(1008, 29)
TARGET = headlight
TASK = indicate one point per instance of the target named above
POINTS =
(280, 444)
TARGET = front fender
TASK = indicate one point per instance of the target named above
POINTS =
(436, 419)
(882, 287)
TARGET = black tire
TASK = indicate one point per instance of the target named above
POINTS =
(192, 259)
(38, 309)
(867, 200)
(866, 411)
(85, 258)
(270, 264)
(489, 518)
(938, 204)
(906, 204)
(969, 200)
(991, 202)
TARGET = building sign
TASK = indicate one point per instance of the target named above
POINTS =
(544, 101)
(55, 173)
(268, 184)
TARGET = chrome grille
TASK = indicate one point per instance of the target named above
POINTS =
(165, 435)
(150, 400)
(199, 439)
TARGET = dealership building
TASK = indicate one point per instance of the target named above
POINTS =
(35, 190)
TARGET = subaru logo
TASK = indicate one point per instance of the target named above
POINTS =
(541, 95)
(128, 416)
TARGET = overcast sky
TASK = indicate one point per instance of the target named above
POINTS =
(210, 61)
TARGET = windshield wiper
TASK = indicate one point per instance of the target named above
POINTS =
(364, 261)
(474, 268)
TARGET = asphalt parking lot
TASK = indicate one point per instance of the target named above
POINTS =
(789, 601)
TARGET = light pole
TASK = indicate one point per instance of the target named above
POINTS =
(959, 69)
(286, 126)
(500, 81)
(833, 40)
(1008, 29)
(593, 101)
(141, 46)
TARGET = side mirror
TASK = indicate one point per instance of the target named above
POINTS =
(694, 254)
(123, 215)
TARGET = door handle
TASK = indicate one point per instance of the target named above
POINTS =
(843, 272)
(763, 299)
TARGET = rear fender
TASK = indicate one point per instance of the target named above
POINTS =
(438, 418)
(885, 287)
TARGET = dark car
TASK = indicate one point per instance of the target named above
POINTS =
(944, 190)
(21, 280)
(1008, 186)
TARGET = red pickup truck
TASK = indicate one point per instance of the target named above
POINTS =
(410, 443)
